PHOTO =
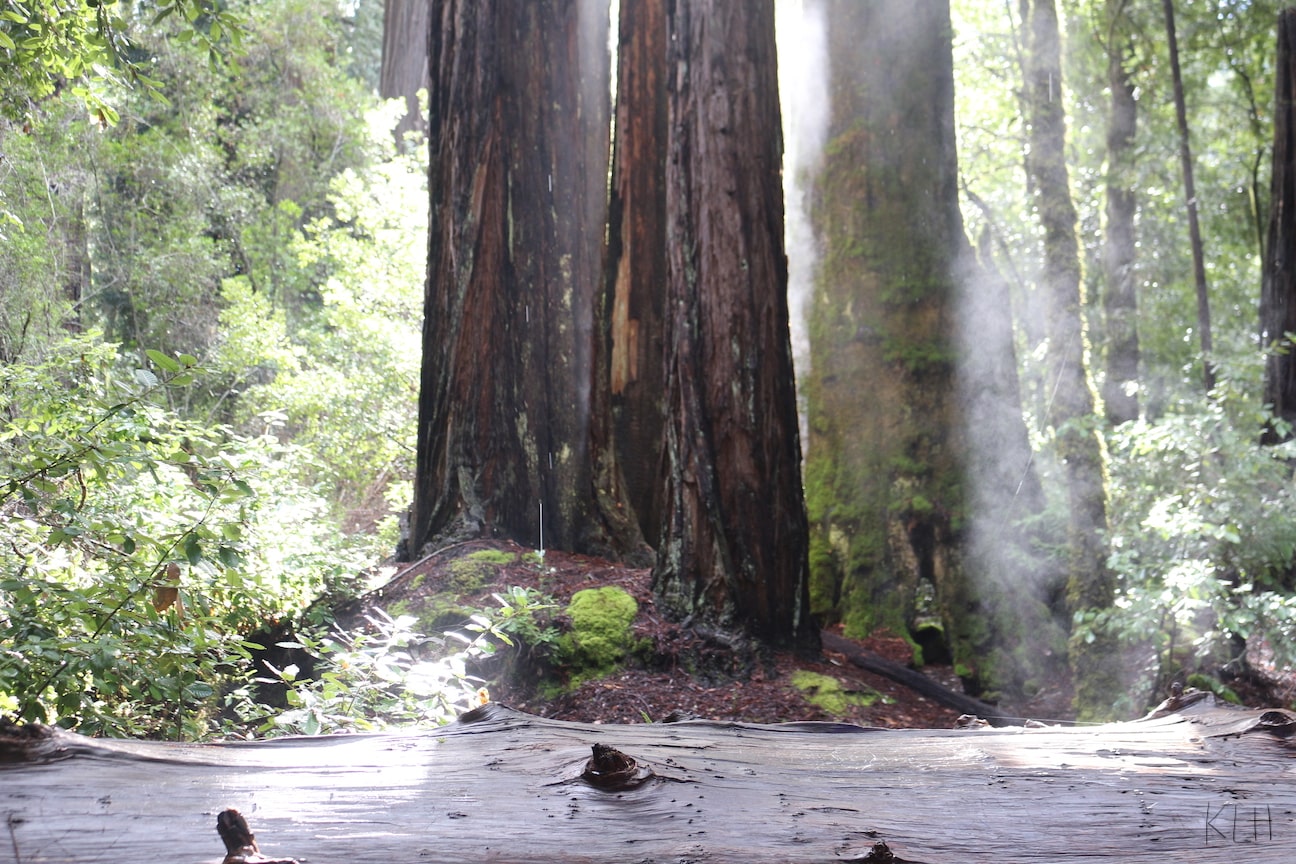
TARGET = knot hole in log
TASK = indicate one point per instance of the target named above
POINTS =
(613, 770)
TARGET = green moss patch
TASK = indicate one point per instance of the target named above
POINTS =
(600, 636)
(827, 693)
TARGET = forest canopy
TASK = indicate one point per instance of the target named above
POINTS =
(213, 275)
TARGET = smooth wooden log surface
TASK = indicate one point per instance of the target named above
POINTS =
(1206, 785)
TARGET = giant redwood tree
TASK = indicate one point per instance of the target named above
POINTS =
(512, 437)
(890, 470)
(733, 545)
(637, 253)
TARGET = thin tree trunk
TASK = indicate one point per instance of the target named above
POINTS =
(636, 270)
(76, 259)
(511, 440)
(1278, 289)
(734, 537)
(1190, 195)
(1090, 584)
(1120, 300)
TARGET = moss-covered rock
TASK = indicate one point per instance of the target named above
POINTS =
(827, 693)
(600, 636)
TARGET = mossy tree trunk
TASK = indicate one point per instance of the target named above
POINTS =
(1093, 653)
(887, 450)
(1120, 299)
(513, 422)
(733, 541)
(636, 267)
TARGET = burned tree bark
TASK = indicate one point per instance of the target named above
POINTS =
(733, 542)
(636, 268)
(1278, 288)
(1207, 785)
(511, 440)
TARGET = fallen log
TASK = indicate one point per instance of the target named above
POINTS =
(915, 681)
(1210, 784)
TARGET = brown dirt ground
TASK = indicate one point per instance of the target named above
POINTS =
(751, 689)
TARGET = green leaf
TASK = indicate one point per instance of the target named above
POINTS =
(229, 557)
(193, 548)
(146, 378)
(162, 360)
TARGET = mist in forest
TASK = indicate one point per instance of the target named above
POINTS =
(803, 92)
(1001, 486)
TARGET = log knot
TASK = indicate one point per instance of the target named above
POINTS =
(240, 842)
(609, 768)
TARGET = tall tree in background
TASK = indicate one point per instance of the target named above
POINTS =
(733, 543)
(909, 424)
(637, 253)
(510, 429)
(404, 69)
(1120, 300)
(1278, 290)
(1190, 200)
(1090, 583)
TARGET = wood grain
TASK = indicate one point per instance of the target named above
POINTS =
(1213, 785)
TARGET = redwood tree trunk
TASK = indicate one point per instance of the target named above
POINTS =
(510, 432)
(734, 544)
(1278, 289)
(1090, 583)
(887, 451)
(405, 59)
(1120, 300)
(637, 253)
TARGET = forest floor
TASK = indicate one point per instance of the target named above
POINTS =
(682, 670)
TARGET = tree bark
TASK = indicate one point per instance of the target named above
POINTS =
(733, 541)
(404, 69)
(1091, 585)
(1120, 300)
(1190, 202)
(888, 454)
(636, 270)
(1278, 287)
(1208, 785)
(514, 433)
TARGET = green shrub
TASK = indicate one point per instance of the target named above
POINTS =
(137, 547)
